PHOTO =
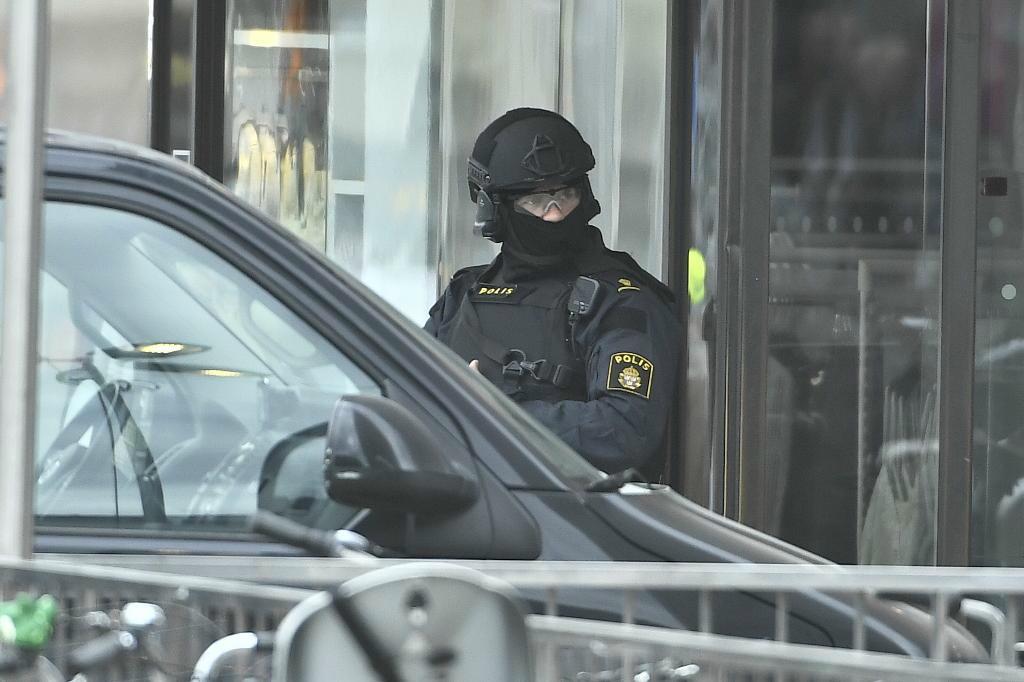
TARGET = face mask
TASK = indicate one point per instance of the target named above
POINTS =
(548, 239)
(554, 239)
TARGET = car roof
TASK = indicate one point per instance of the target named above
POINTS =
(67, 140)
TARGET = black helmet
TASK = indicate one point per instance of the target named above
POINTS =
(522, 150)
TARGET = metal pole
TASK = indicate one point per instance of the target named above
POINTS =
(959, 271)
(18, 345)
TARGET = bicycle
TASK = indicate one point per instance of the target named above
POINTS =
(135, 632)
(391, 624)
(339, 544)
(26, 624)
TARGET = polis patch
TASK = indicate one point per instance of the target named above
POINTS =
(631, 373)
(494, 292)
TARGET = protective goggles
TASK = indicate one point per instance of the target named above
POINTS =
(538, 203)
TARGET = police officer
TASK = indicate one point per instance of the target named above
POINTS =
(577, 334)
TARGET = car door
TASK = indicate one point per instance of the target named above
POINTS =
(178, 394)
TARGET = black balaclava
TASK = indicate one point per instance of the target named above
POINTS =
(533, 246)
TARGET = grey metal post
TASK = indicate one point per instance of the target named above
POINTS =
(959, 272)
(745, 207)
(18, 346)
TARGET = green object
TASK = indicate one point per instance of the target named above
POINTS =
(696, 272)
(27, 622)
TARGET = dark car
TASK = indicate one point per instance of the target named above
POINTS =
(192, 353)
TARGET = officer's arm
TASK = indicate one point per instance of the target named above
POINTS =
(632, 348)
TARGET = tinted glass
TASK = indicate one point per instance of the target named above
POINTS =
(174, 392)
(997, 501)
(853, 302)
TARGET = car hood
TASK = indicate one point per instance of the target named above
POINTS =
(668, 525)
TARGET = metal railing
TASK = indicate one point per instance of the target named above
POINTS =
(573, 649)
(570, 648)
(991, 596)
(224, 605)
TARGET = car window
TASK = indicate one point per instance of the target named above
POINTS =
(174, 392)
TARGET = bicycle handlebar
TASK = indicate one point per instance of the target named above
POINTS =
(101, 650)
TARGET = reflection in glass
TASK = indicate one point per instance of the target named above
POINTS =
(382, 208)
(275, 139)
(997, 495)
(622, 118)
(497, 56)
(331, 133)
(854, 281)
(702, 270)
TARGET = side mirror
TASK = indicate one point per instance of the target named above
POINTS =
(381, 456)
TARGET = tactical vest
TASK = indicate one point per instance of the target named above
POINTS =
(520, 334)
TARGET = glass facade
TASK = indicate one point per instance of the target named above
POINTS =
(351, 121)
(817, 218)
(871, 414)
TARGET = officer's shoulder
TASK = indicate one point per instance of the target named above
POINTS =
(467, 276)
(628, 284)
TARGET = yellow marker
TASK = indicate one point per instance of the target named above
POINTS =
(627, 285)
(696, 272)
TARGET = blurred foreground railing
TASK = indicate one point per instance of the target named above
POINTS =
(577, 649)
(198, 610)
(614, 651)
(989, 596)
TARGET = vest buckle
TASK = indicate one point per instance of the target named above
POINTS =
(513, 367)
(516, 365)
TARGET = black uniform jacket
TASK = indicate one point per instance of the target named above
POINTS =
(607, 379)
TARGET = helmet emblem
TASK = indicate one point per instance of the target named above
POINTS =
(544, 158)
(630, 379)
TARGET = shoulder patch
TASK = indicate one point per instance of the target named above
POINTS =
(627, 285)
(631, 373)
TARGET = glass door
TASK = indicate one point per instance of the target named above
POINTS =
(997, 503)
(877, 382)
(850, 458)
(832, 287)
